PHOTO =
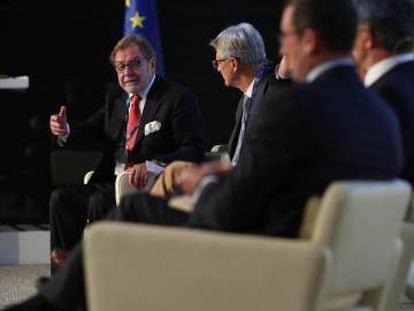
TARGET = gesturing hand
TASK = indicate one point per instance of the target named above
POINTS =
(58, 123)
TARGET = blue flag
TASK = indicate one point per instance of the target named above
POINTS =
(141, 18)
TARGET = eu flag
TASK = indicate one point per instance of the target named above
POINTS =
(141, 17)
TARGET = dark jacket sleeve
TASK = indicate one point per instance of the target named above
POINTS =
(272, 143)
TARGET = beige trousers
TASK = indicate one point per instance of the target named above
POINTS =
(168, 181)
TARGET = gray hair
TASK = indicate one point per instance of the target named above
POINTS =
(391, 22)
(243, 42)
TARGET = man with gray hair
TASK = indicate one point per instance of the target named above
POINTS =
(383, 51)
(241, 60)
(303, 138)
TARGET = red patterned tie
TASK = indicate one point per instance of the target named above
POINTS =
(133, 121)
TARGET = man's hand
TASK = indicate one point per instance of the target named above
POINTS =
(58, 123)
(138, 175)
(191, 176)
(283, 70)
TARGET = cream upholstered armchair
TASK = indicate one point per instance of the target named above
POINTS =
(406, 264)
(122, 187)
(348, 261)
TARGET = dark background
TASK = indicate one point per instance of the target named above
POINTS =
(63, 46)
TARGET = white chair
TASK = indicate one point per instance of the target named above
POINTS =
(361, 224)
(407, 237)
(87, 177)
(347, 263)
(218, 152)
(122, 187)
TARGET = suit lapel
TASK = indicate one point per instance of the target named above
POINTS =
(258, 97)
(256, 100)
(236, 130)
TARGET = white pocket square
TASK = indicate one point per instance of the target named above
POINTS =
(152, 127)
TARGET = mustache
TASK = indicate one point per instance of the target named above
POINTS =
(132, 79)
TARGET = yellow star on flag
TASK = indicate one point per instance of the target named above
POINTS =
(127, 3)
(137, 20)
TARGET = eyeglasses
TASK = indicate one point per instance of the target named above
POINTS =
(132, 65)
(217, 62)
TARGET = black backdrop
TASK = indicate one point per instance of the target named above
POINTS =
(63, 46)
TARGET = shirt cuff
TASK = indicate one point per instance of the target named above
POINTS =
(61, 140)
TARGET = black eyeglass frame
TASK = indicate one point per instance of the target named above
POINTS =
(215, 63)
(135, 64)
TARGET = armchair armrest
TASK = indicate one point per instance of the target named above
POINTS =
(122, 187)
(158, 268)
(87, 177)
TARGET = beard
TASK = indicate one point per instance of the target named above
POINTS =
(133, 85)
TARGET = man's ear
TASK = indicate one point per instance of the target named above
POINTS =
(310, 41)
(234, 64)
(153, 63)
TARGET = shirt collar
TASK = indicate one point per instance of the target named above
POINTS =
(321, 68)
(249, 91)
(382, 67)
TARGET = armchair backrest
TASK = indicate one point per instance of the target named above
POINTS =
(360, 221)
(354, 247)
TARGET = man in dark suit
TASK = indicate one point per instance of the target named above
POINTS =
(241, 60)
(328, 127)
(169, 129)
(384, 53)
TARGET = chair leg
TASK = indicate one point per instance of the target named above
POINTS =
(409, 291)
(407, 237)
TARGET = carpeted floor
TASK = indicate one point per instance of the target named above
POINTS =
(18, 283)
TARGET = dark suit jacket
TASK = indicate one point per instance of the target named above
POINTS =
(397, 88)
(302, 138)
(232, 143)
(179, 138)
(263, 87)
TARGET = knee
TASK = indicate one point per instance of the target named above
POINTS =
(178, 166)
(129, 207)
(142, 207)
(174, 169)
(99, 205)
(96, 200)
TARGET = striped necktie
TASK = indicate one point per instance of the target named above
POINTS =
(134, 118)
(247, 103)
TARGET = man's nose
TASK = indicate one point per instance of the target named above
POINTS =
(128, 70)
